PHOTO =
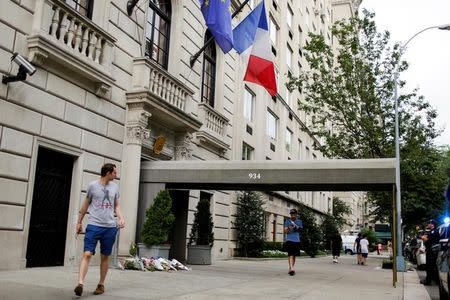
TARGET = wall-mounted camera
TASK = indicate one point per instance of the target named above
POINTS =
(25, 67)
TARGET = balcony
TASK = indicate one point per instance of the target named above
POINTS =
(214, 129)
(70, 44)
(167, 99)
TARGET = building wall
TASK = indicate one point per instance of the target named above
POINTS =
(81, 107)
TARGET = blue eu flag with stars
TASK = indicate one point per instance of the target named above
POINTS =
(217, 14)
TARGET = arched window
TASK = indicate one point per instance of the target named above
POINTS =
(209, 72)
(157, 31)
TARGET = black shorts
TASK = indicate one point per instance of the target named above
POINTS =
(292, 248)
(365, 255)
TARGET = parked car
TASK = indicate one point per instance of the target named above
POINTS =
(347, 243)
(443, 261)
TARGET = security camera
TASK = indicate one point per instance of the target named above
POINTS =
(25, 67)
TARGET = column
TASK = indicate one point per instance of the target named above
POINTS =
(136, 133)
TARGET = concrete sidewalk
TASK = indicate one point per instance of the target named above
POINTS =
(316, 278)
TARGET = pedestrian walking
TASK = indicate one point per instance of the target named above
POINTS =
(364, 243)
(102, 201)
(336, 246)
(431, 238)
(357, 248)
(389, 247)
(292, 228)
(378, 248)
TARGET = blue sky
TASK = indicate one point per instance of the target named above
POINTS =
(428, 54)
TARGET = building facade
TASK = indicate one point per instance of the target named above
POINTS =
(113, 87)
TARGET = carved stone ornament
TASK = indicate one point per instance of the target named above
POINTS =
(137, 134)
(183, 149)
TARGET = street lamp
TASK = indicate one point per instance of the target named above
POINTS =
(400, 259)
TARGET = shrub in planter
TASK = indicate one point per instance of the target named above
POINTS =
(250, 224)
(159, 220)
(202, 228)
(201, 238)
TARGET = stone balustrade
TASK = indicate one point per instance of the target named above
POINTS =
(213, 121)
(149, 76)
(214, 128)
(60, 34)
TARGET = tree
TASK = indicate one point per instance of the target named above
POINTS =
(334, 223)
(340, 212)
(159, 220)
(349, 99)
(311, 234)
(202, 228)
(249, 223)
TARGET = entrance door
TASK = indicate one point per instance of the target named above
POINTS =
(180, 206)
(50, 208)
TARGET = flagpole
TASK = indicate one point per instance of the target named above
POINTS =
(211, 39)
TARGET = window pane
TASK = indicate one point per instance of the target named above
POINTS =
(288, 139)
(289, 17)
(273, 32)
(289, 57)
(248, 104)
(271, 125)
(157, 32)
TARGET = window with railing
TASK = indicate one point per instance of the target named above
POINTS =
(83, 7)
(157, 32)
(209, 72)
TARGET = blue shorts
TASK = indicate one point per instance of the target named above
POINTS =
(106, 236)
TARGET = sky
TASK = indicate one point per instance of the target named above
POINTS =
(428, 54)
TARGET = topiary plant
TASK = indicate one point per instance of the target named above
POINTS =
(202, 228)
(159, 220)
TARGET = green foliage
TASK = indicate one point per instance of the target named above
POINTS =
(202, 228)
(133, 250)
(273, 246)
(159, 220)
(370, 235)
(351, 89)
(340, 212)
(311, 234)
(334, 223)
(329, 228)
(249, 224)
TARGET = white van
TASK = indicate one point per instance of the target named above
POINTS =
(347, 243)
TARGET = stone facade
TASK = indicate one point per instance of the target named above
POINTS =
(96, 98)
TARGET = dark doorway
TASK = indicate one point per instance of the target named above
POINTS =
(50, 208)
(180, 205)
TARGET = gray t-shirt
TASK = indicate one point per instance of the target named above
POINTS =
(102, 202)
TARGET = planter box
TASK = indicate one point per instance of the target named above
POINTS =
(153, 251)
(199, 255)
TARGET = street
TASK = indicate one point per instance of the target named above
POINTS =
(316, 278)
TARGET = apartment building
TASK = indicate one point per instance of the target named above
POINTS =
(110, 87)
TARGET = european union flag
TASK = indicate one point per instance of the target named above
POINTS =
(217, 14)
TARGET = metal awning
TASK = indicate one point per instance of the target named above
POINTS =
(270, 175)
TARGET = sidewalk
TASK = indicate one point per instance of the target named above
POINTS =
(316, 278)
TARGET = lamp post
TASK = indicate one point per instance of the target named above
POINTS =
(400, 259)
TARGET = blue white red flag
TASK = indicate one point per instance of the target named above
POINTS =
(251, 39)
(217, 14)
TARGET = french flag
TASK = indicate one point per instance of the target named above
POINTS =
(251, 40)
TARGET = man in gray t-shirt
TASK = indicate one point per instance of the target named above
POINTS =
(102, 201)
